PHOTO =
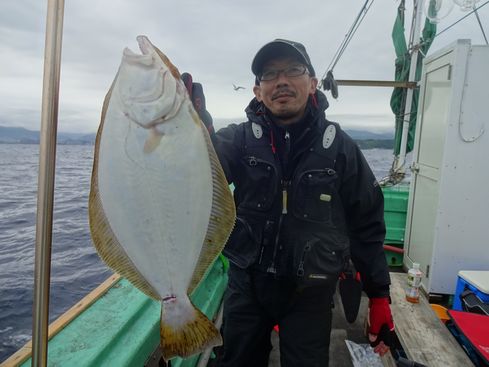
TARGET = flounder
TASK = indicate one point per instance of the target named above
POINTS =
(160, 208)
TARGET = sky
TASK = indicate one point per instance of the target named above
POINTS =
(214, 40)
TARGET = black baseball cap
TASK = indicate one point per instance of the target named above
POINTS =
(278, 48)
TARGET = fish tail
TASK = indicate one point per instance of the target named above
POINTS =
(185, 330)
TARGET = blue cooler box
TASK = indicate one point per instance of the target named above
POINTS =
(476, 281)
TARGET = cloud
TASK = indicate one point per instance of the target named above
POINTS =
(214, 40)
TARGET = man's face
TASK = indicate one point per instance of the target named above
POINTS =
(285, 96)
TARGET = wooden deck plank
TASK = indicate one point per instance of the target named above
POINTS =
(424, 337)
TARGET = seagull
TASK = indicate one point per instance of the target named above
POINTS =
(238, 87)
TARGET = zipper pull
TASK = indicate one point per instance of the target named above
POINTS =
(300, 269)
(267, 231)
(285, 185)
(260, 259)
(284, 201)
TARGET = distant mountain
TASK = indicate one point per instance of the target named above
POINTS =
(376, 143)
(19, 135)
(368, 135)
(371, 140)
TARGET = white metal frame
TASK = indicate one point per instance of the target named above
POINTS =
(453, 222)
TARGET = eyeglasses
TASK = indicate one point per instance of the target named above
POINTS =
(290, 72)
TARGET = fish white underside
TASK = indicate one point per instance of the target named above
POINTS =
(157, 203)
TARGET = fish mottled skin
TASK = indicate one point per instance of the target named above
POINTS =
(160, 208)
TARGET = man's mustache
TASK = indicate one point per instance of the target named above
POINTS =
(283, 93)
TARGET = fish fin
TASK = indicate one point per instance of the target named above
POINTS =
(191, 334)
(153, 141)
(168, 63)
(104, 239)
(221, 220)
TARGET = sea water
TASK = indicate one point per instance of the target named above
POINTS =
(76, 268)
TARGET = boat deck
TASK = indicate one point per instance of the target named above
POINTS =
(425, 339)
(341, 331)
(121, 316)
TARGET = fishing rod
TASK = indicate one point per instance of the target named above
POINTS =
(45, 196)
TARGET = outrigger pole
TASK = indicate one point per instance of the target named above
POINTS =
(45, 194)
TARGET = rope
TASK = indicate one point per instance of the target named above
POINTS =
(351, 32)
(480, 25)
(465, 16)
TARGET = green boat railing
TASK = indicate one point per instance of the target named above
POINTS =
(119, 326)
(395, 209)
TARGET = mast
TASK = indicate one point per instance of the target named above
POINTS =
(415, 33)
(45, 196)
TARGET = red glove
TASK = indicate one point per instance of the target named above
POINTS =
(378, 316)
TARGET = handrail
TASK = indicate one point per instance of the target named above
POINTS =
(45, 197)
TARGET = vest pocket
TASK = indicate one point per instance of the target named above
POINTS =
(261, 185)
(243, 243)
(315, 195)
(316, 263)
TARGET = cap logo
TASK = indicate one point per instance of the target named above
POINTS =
(329, 135)
(257, 130)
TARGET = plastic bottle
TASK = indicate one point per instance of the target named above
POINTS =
(414, 282)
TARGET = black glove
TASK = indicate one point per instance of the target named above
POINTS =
(196, 94)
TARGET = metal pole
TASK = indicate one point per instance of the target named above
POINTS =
(375, 83)
(45, 195)
(409, 96)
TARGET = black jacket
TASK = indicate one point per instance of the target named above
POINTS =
(306, 199)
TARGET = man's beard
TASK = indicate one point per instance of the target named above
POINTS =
(286, 114)
(286, 117)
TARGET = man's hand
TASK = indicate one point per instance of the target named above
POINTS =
(196, 94)
(380, 324)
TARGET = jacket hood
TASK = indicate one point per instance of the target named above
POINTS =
(257, 112)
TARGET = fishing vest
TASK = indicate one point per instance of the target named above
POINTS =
(295, 227)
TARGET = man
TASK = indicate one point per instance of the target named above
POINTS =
(307, 202)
